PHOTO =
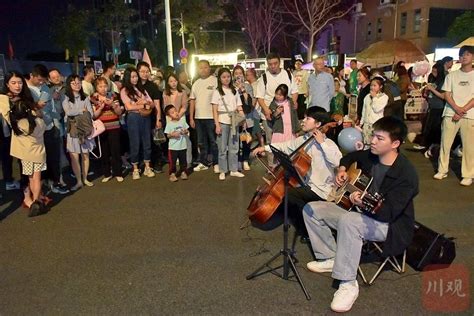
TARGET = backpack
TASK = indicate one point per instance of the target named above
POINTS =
(80, 126)
(264, 76)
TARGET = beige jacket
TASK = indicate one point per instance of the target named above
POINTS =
(30, 147)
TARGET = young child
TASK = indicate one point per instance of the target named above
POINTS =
(176, 129)
(285, 124)
(374, 104)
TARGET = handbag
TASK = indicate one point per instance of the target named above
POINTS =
(159, 136)
(98, 128)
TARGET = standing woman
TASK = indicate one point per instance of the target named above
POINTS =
(76, 103)
(139, 106)
(107, 109)
(174, 95)
(226, 100)
(436, 102)
(245, 91)
(27, 143)
(363, 79)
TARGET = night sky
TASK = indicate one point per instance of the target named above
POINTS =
(28, 23)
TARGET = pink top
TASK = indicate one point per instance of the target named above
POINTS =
(287, 128)
(127, 100)
(178, 99)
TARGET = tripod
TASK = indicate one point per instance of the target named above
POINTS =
(288, 254)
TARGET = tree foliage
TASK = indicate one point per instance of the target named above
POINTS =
(462, 27)
(313, 16)
(197, 16)
(71, 32)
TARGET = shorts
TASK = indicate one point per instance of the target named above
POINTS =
(31, 167)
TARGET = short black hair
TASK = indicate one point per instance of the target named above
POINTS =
(143, 64)
(87, 69)
(39, 70)
(318, 114)
(466, 48)
(204, 61)
(168, 108)
(53, 69)
(447, 59)
(108, 65)
(394, 126)
(354, 60)
(272, 56)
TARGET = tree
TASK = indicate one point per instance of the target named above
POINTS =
(314, 15)
(462, 27)
(114, 18)
(262, 21)
(71, 33)
(197, 15)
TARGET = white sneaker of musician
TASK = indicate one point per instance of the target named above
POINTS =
(345, 296)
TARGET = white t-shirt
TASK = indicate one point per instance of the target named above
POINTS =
(202, 91)
(461, 84)
(231, 100)
(273, 81)
(88, 88)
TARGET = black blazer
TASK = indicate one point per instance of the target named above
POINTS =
(399, 187)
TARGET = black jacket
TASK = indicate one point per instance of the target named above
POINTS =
(399, 187)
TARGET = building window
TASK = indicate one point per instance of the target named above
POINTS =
(417, 21)
(379, 28)
(403, 24)
(369, 31)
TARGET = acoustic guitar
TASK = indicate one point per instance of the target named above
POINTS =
(357, 181)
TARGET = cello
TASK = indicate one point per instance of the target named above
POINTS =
(269, 196)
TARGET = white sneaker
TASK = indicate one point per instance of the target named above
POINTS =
(136, 174)
(320, 266)
(440, 176)
(418, 147)
(200, 167)
(466, 182)
(345, 297)
(119, 179)
(237, 174)
(148, 172)
(216, 169)
(106, 179)
(14, 185)
(246, 166)
(222, 176)
(458, 152)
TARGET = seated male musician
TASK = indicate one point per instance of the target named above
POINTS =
(395, 178)
(325, 156)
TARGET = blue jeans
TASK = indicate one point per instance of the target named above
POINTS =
(206, 132)
(139, 131)
(228, 149)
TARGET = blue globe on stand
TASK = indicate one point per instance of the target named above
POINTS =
(350, 139)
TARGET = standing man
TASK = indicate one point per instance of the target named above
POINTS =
(109, 72)
(320, 86)
(266, 86)
(201, 116)
(395, 178)
(87, 83)
(458, 115)
(353, 78)
(301, 78)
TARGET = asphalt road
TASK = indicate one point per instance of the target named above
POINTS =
(155, 247)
